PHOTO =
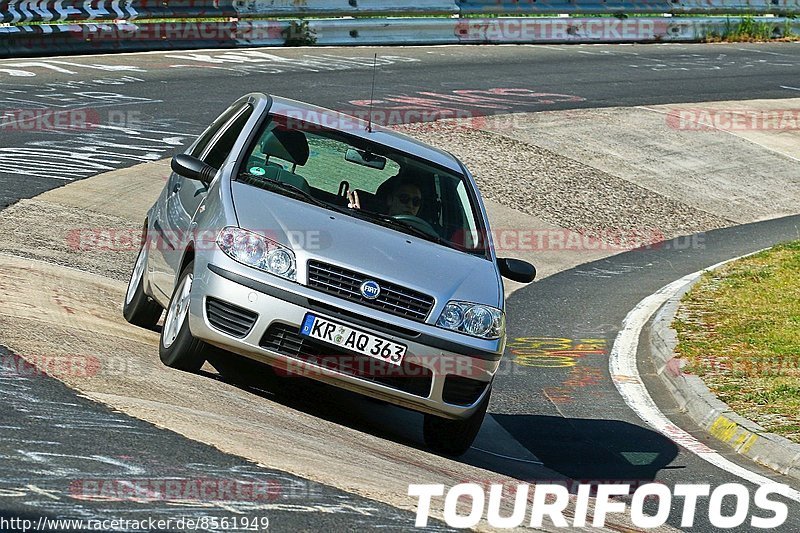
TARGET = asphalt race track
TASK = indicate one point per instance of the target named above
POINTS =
(168, 97)
(570, 417)
(81, 436)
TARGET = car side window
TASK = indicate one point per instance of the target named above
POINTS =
(216, 145)
(212, 130)
(222, 143)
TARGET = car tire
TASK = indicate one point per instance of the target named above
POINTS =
(138, 308)
(454, 437)
(177, 348)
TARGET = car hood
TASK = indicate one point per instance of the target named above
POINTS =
(376, 251)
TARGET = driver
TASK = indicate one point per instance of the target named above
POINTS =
(404, 197)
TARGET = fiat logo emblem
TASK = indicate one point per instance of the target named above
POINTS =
(370, 290)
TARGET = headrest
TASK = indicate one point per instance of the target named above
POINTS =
(290, 145)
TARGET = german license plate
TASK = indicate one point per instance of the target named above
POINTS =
(346, 337)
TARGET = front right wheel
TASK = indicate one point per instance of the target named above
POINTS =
(177, 347)
(454, 437)
(138, 308)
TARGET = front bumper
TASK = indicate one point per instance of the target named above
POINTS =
(439, 376)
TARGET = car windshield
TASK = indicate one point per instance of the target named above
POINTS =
(365, 180)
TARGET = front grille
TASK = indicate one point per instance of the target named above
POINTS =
(459, 390)
(228, 318)
(408, 377)
(346, 284)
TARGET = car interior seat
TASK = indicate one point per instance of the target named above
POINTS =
(288, 145)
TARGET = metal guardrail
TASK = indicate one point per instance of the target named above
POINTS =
(88, 26)
(53, 11)
(528, 30)
(16, 11)
(27, 41)
(344, 8)
(596, 7)
(722, 7)
(523, 7)
(110, 37)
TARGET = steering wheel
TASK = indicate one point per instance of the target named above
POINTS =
(417, 223)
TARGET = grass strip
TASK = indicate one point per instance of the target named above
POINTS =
(739, 330)
(749, 29)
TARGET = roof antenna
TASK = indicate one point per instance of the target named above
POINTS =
(372, 96)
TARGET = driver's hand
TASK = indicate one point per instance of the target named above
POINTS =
(352, 200)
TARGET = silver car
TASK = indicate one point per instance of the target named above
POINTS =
(329, 248)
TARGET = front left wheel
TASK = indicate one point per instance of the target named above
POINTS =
(177, 347)
(454, 437)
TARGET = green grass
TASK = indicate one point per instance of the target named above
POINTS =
(739, 330)
(748, 29)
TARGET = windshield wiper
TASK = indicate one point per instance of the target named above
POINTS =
(399, 224)
(297, 191)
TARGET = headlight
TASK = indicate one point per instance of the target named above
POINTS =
(258, 252)
(473, 319)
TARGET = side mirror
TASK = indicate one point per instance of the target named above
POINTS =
(517, 270)
(192, 168)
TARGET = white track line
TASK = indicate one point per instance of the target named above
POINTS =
(625, 374)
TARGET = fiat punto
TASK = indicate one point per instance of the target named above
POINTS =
(331, 248)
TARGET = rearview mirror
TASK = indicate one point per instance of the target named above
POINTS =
(516, 270)
(192, 168)
(364, 158)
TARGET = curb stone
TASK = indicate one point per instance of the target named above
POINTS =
(709, 412)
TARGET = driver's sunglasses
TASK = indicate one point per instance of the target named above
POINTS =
(405, 198)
